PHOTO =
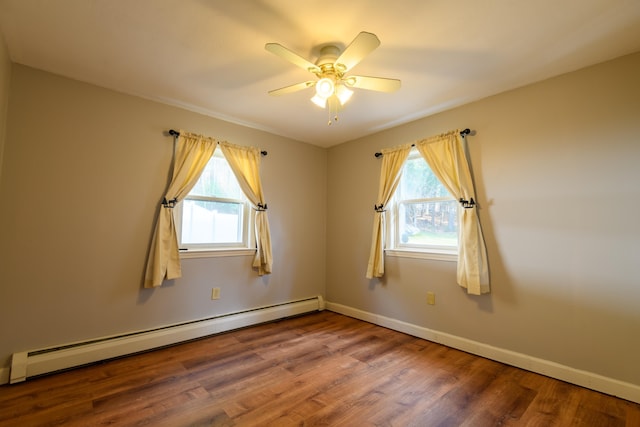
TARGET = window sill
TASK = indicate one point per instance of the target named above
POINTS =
(211, 253)
(432, 254)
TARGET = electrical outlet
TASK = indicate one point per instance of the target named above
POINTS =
(215, 293)
(431, 298)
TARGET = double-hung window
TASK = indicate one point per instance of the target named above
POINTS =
(215, 218)
(423, 220)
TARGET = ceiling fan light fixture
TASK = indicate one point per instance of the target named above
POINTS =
(319, 101)
(325, 87)
(350, 81)
(343, 94)
(332, 87)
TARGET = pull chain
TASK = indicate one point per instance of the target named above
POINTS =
(333, 102)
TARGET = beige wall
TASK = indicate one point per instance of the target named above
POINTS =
(5, 79)
(84, 171)
(558, 182)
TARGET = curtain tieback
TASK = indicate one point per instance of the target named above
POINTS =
(170, 204)
(467, 204)
(379, 208)
(261, 207)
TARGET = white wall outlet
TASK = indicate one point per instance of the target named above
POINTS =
(431, 298)
(215, 293)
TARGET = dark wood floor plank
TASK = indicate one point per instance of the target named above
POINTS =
(285, 398)
(504, 401)
(555, 404)
(364, 397)
(62, 415)
(312, 370)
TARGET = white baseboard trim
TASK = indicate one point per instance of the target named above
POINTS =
(37, 362)
(585, 379)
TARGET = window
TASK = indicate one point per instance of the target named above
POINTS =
(423, 215)
(215, 215)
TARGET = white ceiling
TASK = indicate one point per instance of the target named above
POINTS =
(208, 55)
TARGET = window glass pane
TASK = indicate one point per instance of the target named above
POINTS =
(432, 223)
(419, 182)
(217, 180)
(211, 222)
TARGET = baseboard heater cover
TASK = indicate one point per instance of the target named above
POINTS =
(38, 362)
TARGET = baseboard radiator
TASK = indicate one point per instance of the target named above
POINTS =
(38, 362)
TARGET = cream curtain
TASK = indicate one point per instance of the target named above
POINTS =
(392, 161)
(446, 156)
(245, 163)
(191, 156)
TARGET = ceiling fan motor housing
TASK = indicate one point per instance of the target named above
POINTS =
(326, 62)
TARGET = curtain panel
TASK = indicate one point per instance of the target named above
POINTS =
(447, 158)
(192, 154)
(245, 164)
(392, 161)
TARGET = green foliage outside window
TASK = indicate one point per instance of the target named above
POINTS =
(427, 214)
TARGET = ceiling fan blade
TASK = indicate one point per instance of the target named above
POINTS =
(361, 46)
(294, 58)
(380, 84)
(290, 89)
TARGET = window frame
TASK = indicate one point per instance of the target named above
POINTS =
(245, 247)
(394, 245)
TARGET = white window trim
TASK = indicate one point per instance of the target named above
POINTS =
(220, 250)
(215, 253)
(245, 248)
(392, 248)
(431, 254)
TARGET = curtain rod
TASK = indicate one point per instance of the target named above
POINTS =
(462, 133)
(176, 134)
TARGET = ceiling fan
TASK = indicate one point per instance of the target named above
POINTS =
(332, 84)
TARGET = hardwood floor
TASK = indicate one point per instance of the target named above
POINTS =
(321, 369)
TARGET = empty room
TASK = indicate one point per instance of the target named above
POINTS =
(286, 213)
